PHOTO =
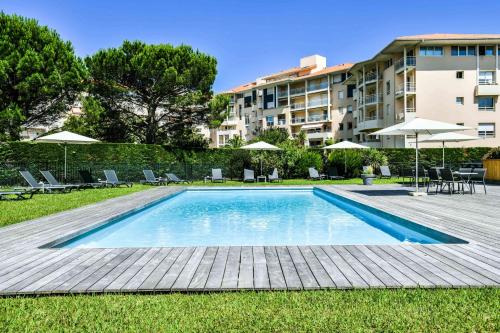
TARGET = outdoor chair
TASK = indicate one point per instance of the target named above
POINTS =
(333, 173)
(407, 173)
(248, 175)
(480, 178)
(54, 182)
(35, 186)
(315, 175)
(151, 179)
(112, 179)
(385, 172)
(16, 195)
(449, 179)
(217, 176)
(434, 179)
(274, 177)
(88, 180)
(172, 178)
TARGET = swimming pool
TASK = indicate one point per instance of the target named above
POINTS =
(225, 217)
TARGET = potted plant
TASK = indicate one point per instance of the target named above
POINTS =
(368, 176)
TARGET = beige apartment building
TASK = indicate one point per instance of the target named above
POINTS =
(311, 98)
(445, 77)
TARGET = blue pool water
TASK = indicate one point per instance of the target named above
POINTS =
(256, 217)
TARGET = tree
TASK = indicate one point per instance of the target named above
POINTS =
(40, 76)
(236, 142)
(88, 123)
(273, 135)
(155, 91)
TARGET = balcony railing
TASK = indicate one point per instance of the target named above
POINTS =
(317, 117)
(410, 61)
(371, 76)
(296, 106)
(486, 81)
(316, 86)
(283, 93)
(411, 87)
(411, 109)
(375, 98)
(281, 122)
(296, 91)
(319, 102)
(368, 118)
(298, 120)
(486, 108)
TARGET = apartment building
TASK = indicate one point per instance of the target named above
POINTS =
(446, 77)
(311, 98)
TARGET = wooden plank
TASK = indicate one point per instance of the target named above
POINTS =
(138, 279)
(175, 270)
(304, 272)
(230, 279)
(350, 274)
(333, 271)
(185, 277)
(261, 276)
(245, 278)
(160, 270)
(216, 274)
(290, 274)
(363, 271)
(276, 278)
(317, 269)
(201, 276)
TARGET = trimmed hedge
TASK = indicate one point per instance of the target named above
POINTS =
(130, 159)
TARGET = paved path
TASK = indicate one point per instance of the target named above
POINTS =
(25, 268)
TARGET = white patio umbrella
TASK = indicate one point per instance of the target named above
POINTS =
(346, 145)
(261, 145)
(66, 137)
(415, 127)
(450, 137)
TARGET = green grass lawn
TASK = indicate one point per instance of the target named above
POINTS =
(419, 310)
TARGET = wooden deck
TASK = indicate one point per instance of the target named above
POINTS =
(25, 268)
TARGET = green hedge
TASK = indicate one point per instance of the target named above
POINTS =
(130, 159)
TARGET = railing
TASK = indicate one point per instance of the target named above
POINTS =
(375, 98)
(321, 102)
(298, 120)
(410, 87)
(311, 87)
(295, 106)
(486, 81)
(318, 117)
(296, 91)
(283, 93)
(371, 76)
(486, 108)
(281, 122)
(368, 118)
(411, 110)
(410, 61)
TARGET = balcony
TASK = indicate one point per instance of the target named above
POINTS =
(298, 120)
(411, 88)
(297, 106)
(411, 109)
(317, 103)
(487, 89)
(317, 117)
(297, 91)
(283, 93)
(399, 66)
(281, 122)
(317, 86)
(374, 99)
(371, 77)
(369, 124)
(319, 135)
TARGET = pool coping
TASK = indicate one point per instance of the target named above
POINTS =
(28, 269)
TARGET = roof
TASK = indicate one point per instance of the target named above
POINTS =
(439, 36)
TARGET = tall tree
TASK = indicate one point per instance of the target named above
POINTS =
(159, 91)
(40, 76)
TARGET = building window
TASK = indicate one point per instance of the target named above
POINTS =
(337, 78)
(460, 74)
(459, 101)
(270, 120)
(486, 50)
(349, 125)
(486, 103)
(388, 87)
(486, 130)
(460, 124)
(340, 95)
(463, 51)
(349, 109)
(350, 90)
(431, 51)
(247, 120)
(486, 77)
(341, 126)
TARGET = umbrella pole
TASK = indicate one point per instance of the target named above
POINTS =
(416, 161)
(65, 159)
(345, 164)
(261, 166)
(443, 154)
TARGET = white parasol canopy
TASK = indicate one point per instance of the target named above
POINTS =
(261, 145)
(66, 137)
(346, 145)
(419, 126)
(450, 137)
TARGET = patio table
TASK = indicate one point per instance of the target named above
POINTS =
(465, 177)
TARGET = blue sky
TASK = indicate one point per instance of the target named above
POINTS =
(253, 38)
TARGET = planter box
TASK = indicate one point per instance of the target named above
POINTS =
(493, 169)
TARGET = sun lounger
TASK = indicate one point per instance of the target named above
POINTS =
(248, 175)
(53, 181)
(274, 177)
(333, 173)
(16, 195)
(88, 180)
(152, 179)
(112, 179)
(35, 186)
(315, 175)
(385, 172)
(172, 178)
(217, 176)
